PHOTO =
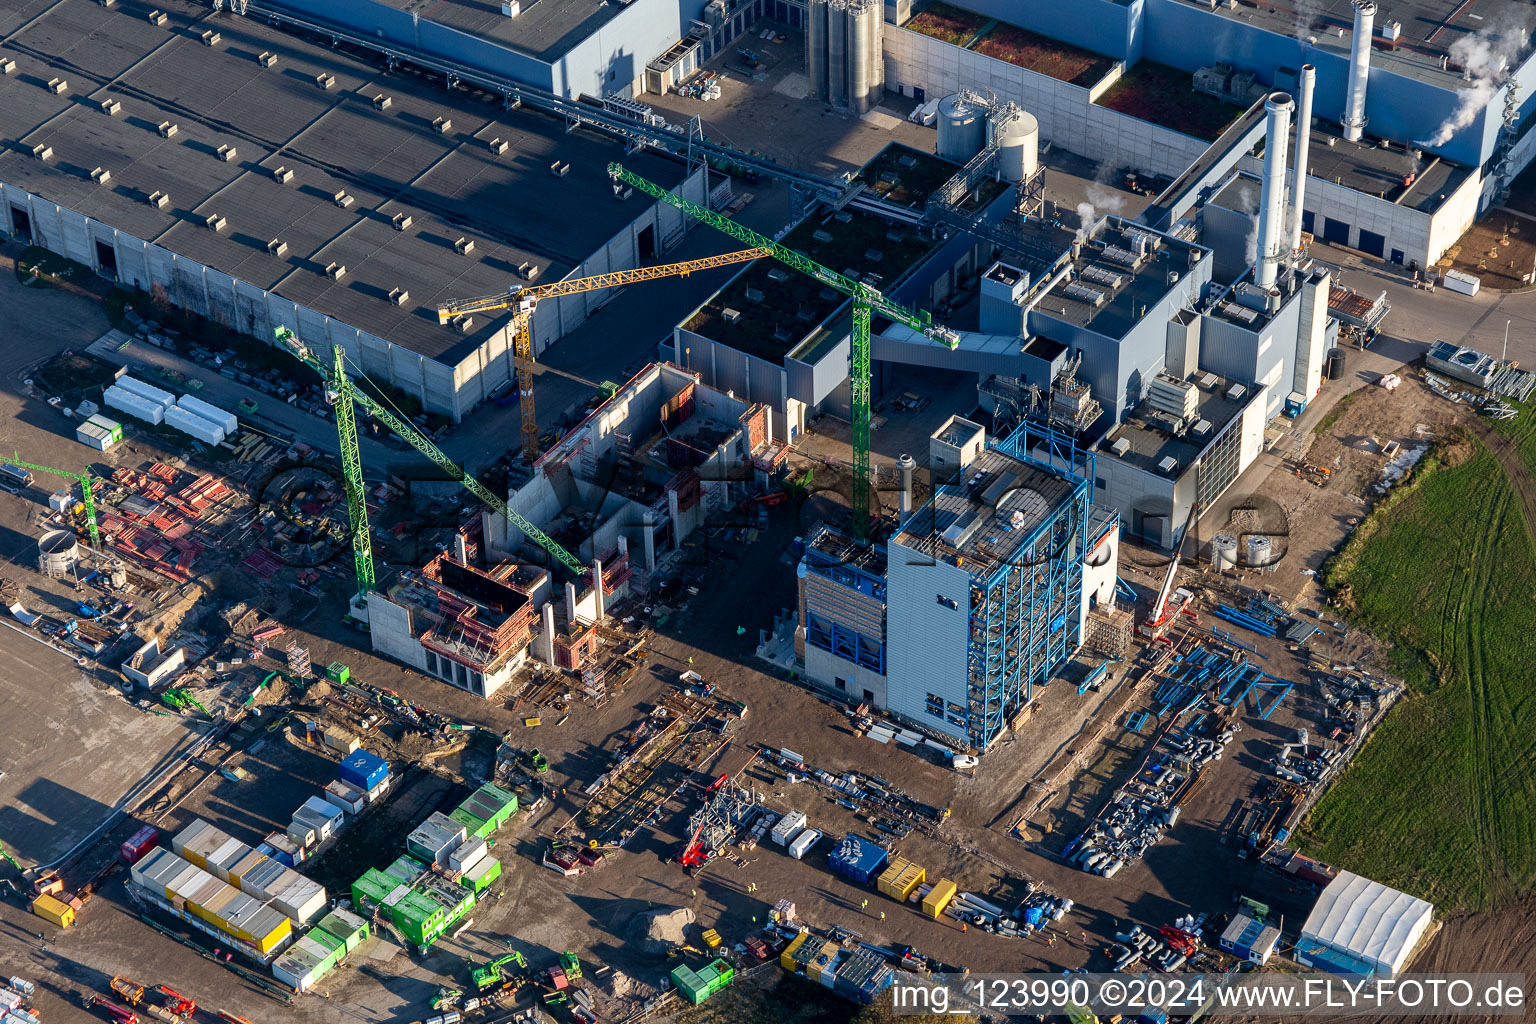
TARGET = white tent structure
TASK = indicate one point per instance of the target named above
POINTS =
(1362, 927)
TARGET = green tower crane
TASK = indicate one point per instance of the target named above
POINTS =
(84, 480)
(866, 301)
(343, 395)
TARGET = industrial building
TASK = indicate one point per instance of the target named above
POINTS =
(978, 599)
(1359, 926)
(636, 478)
(1417, 106)
(298, 186)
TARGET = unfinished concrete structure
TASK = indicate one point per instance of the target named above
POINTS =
(643, 471)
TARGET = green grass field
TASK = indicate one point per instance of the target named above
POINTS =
(1441, 799)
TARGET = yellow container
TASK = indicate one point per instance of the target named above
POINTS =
(787, 958)
(938, 897)
(275, 937)
(711, 938)
(887, 881)
(910, 879)
(54, 911)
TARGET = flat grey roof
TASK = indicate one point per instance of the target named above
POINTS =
(1429, 28)
(1381, 172)
(1151, 439)
(544, 29)
(989, 516)
(333, 140)
(1125, 288)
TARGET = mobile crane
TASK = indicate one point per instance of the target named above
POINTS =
(523, 301)
(866, 302)
(343, 395)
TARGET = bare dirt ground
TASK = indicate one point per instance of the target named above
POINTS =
(1500, 249)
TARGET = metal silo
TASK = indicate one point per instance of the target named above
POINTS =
(858, 18)
(962, 129)
(816, 48)
(1018, 144)
(837, 51)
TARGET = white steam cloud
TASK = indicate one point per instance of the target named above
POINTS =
(1488, 58)
(1086, 216)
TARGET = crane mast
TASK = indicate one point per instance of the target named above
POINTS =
(866, 302)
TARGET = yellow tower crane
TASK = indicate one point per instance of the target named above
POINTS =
(523, 301)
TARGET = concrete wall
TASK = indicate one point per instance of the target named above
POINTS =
(1066, 114)
(926, 648)
(390, 628)
(825, 668)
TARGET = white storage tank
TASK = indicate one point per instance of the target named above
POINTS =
(1018, 146)
(1261, 551)
(58, 553)
(1224, 552)
(962, 129)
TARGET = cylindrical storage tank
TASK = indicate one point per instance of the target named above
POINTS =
(1261, 551)
(58, 552)
(858, 56)
(962, 129)
(1334, 370)
(816, 48)
(837, 52)
(1018, 146)
(1224, 552)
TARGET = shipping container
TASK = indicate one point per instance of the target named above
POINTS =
(473, 826)
(351, 929)
(15, 475)
(938, 897)
(436, 838)
(225, 421)
(479, 875)
(190, 423)
(138, 844)
(92, 436)
(788, 827)
(134, 386)
(803, 843)
(134, 405)
(899, 878)
(346, 796)
(469, 853)
(111, 426)
(53, 911)
(859, 859)
(363, 770)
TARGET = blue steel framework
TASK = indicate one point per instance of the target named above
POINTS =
(831, 636)
(1024, 613)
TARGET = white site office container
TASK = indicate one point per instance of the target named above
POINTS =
(803, 843)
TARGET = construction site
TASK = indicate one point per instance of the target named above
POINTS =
(815, 579)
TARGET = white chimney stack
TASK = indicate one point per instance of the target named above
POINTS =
(1359, 69)
(1303, 142)
(907, 464)
(1277, 108)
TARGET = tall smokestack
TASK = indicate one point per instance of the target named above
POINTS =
(1303, 142)
(907, 464)
(1359, 69)
(1277, 109)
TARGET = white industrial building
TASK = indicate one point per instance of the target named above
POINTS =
(1362, 927)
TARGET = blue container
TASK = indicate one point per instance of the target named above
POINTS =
(859, 859)
(363, 770)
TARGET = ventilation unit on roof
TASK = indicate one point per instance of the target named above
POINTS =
(528, 269)
(1168, 465)
(110, 106)
(57, 85)
(1208, 380)
(559, 169)
(778, 274)
(1240, 313)
(167, 129)
(227, 153)
(342, 200)
(465, 324)
(107, 3)
(43, 152)
(1236, 391)
(215, 222)
(277, 247)
(511, 8)
(156, 17)
(159, 200)
(282, 175)
(7, 66)
(325, 81)
(1082, 293)
(1121, 446)
(335, 271)
(383, 102)
(1115, 254)
(210, 38)
(753, 294)
(441, 125)
(399, 296)
(266, 59)
(1103, 275)
(464, 246)
(497, 146)
(730, 316)
(400, 221)
(1201, 428)
(101, 175)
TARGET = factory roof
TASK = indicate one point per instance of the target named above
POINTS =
(1120, 270)
(829, 546)
(1152, 437)
(1429, 28)
(770, 311)
(543, 29)
(334, 140)
(1377, 169)
(989, 516)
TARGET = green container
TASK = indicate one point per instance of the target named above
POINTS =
(372, 888)
(406, 869)
(477, 827)
(720, 972)
(481, 875)
(352, 930)
(325, 938)
(336, 672)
